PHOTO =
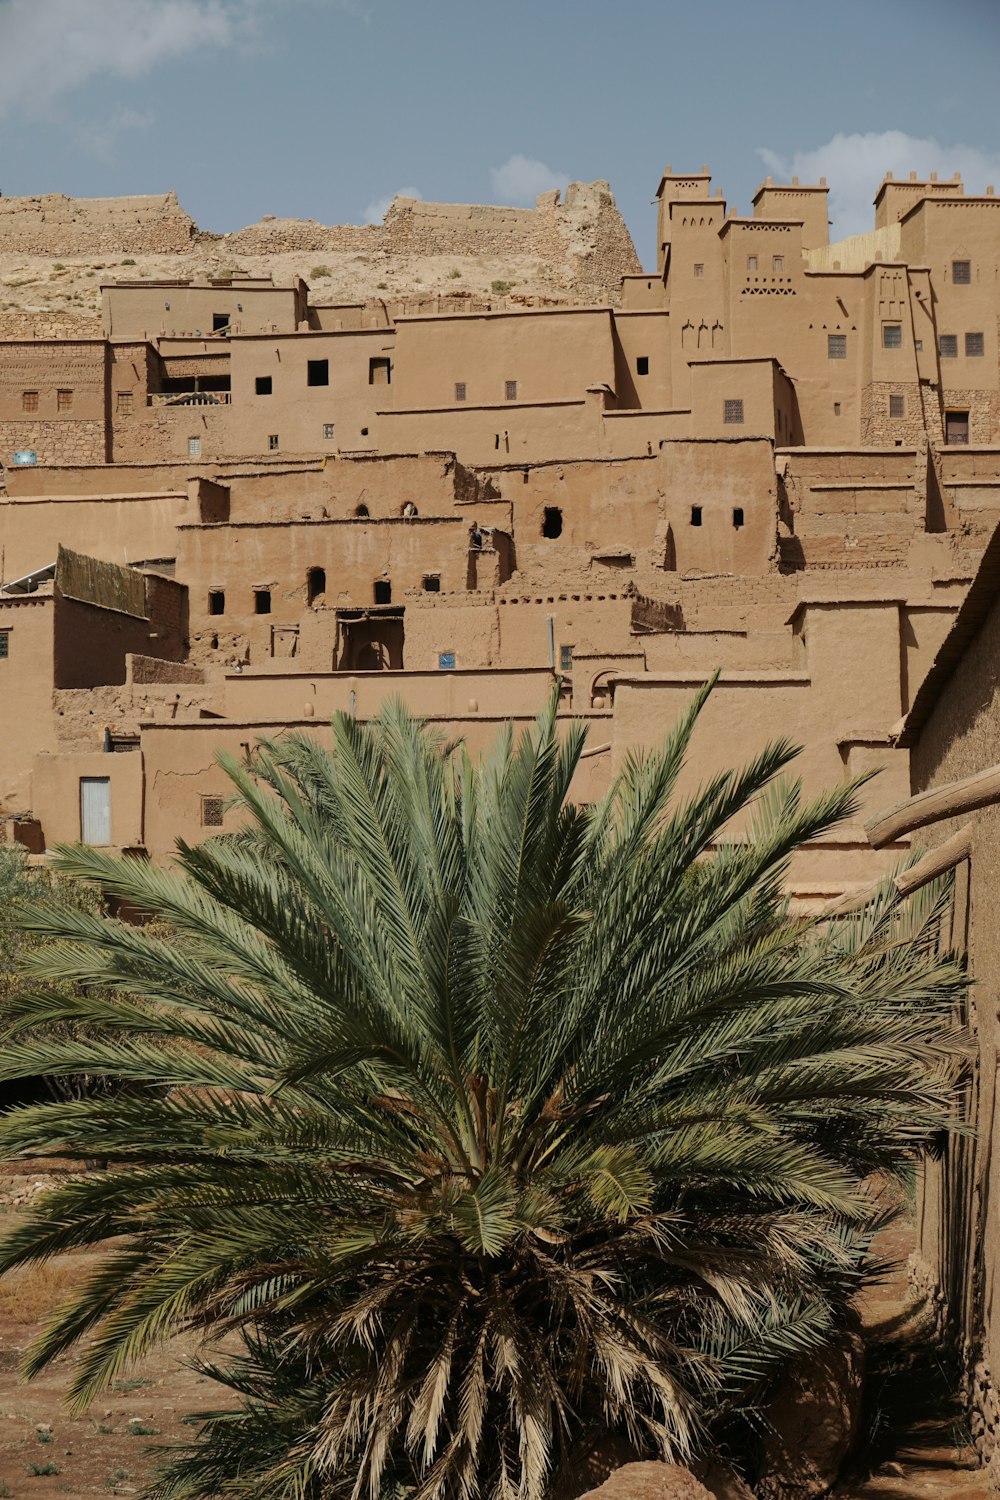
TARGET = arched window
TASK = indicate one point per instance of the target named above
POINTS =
(315, 584)
(361, 510)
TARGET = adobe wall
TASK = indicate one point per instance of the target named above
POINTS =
(56, 225)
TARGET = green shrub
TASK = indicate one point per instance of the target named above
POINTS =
(502, 287)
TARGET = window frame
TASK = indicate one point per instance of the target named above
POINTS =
(951, 341)
(963, 278)
(892, 335)
(510, 390)
(836, 346)
(733, 414)
(972, 352)
(210, 801)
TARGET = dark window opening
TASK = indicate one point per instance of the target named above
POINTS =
(211, 812)
(217, 601)
(552, 522)
(383, 591)
(510, 390)
(737, 516)
(961, 272)
(364, 432)
(432, 583)
(565, 658)
(892, 335)
(219, 322)
(974, 346)
(379, 372)
(215, 643)
(696, 515)
(315, 584)
(459, 390)
(262, 601)
(642, 364)
(733, 411)
(272, 442)
(318, 372)
(362, 510)
(263, 385)
(4, 643)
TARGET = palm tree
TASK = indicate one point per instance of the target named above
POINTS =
(488, 1120)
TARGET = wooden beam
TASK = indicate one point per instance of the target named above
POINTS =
(981, 790)
(595, 750)
(936, 861)
(842, 906)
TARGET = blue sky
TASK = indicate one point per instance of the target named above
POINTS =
(324, 108)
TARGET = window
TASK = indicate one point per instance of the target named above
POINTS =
(217, 601)
(565, 658)
(696, 515)
(4, 644)
(956, 428)
(778, 265)
(194, 447)
(328, 429)
(552, 522)
(699, 268)
(262, 601)
(315, 584)
(211, 812)
(897, 406)
(751, 262)
(642, 364)
(961, 272)
(948, 345)
(318, 372)
(973, 346)
(510, 390)
(836, 346)
(737, 516)
(362, 511)
(263, 385)
(364, 432)
(732, 411)
(918, 345)
(459, 390)
(379, 372)
(432, 583)
(892, 335)
(836, 408)
(64, 400)
(219, 322)
(383, 591)
(446, 661)
(29, 400)
(272, 442)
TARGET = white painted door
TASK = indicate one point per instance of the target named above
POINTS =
(95, 809)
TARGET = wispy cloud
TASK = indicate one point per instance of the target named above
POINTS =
(521, 179)
(854, 165)
(375, 211)
(99, 139)
(51, 47)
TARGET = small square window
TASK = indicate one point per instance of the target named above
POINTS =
(272, 443)
(778, 265)
(974, 346)
(699, 268)
(696, 515)
(459, 390)
(733, 411)
(836, 346)
(263, 385)
(29, 400)
(432, 583)
(217, 601)
(64, 400)
(897, 406)
(510, 390)
(948, 345)
(328, 428)
(961, 272)
(565, 658)
(4, 644)
(446, 661)
(751, 262)
(123, 403)
(642, 364)
(318, 372)
(219, 322)
(262, 601)
(212, 809)
(892, 335)
(194, 447)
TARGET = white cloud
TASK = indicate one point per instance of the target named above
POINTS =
(854, 165)
(521, 179)
(99, 140)
(53, 46)
(375, 212)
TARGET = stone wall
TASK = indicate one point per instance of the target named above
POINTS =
(50, 325)
(56, 225)
(57, 442)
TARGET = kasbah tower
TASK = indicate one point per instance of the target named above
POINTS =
(232, 503)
